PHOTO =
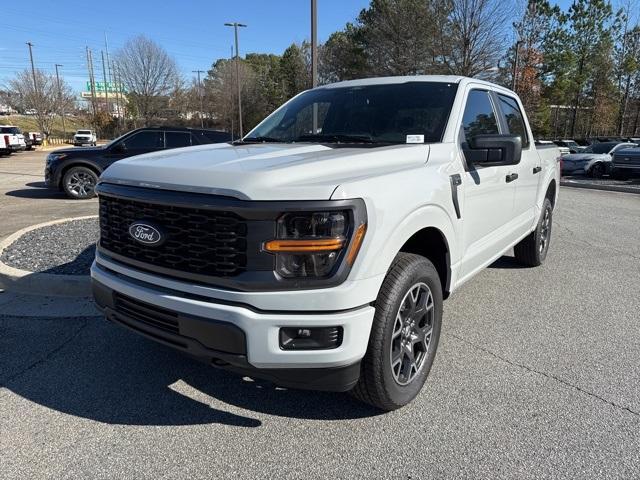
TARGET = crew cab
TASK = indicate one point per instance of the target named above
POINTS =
(316, 252)
(84, 137)
(13, 138)
(75, 170)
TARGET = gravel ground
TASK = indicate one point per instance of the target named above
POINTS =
(64, 249)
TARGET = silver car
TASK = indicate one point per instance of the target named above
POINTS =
(594, 161)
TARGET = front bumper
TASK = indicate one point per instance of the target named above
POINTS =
(204, 325)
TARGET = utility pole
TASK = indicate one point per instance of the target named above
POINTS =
(314, 43)
(235, 26)
(104, 79)
(117, 87)
(515, 66)
(92, 84)
(33, 70)
(200, 95)
(106, 48)
(314, 59)
(64, 129)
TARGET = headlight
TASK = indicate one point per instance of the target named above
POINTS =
(52, 157)
(312, 244)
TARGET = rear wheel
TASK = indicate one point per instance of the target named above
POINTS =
(532, 250)
(404, 335)
(80, 182)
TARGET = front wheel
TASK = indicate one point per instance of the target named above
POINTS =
(597, 170)
(404, 335)
(80, 183)
(532, 250)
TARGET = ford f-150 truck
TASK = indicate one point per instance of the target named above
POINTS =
(316, 251)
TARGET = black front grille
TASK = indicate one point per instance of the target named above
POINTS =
(200, 241)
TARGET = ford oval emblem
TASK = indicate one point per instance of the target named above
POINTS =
(145, 233)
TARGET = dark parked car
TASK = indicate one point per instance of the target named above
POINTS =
(76, 170)
(626, 163)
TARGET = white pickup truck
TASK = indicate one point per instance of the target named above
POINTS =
(84, 137)
(317, 251)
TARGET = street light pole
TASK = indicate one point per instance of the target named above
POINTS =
(235, 26)
(200, 95)
(64, 129)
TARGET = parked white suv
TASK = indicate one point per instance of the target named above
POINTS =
(317, 252)
(84, 137)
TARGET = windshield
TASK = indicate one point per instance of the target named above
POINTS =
(13, 130)
(84, 132)
(412, 112)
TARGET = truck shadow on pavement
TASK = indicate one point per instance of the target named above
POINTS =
(90, 368)
(38, 190)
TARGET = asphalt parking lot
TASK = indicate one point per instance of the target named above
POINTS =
(24, 198)
(536, 377)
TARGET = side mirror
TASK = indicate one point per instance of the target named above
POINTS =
(492, 149)
(119, 148)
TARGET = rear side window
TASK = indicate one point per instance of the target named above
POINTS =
(148, 140)
(479, 117)
(177, 139)
(514, 119)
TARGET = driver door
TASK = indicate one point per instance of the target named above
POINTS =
(141, 142)
(488, 193)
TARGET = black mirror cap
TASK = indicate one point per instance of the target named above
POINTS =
(495, 149)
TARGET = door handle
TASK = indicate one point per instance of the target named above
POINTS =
(456, 180)
(511, 177)
(537, 170)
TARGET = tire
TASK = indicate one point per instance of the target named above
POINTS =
(79, 183)
(597, 170)
(388, 379)
(532, 250)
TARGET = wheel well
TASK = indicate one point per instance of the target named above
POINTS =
(551, 193)
(431, 243)
(66, 168)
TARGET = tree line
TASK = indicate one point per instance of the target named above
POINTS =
(577, 70)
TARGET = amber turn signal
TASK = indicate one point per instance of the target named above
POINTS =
(294, 246)
(355, 245)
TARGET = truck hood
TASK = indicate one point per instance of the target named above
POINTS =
(265, 171)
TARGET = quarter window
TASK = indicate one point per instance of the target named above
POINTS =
(513, 117)
(479, 117)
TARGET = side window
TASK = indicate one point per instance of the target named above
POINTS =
(177, 139)
(513, 117)
(148, 140)
(479, 117)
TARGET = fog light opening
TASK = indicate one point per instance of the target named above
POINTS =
(310, 338)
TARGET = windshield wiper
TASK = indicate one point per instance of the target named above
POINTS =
(335, 137)
(259, 139)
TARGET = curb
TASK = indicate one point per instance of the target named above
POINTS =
(37, 283)
(605, 188)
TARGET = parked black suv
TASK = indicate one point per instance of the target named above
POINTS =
(75, 170)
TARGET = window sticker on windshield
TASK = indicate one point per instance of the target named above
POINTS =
(415, 138)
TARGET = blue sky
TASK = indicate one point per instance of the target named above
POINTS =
(191, 31)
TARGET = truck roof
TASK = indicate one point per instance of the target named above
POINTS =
(415, 78)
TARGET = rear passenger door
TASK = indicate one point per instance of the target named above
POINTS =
(529, 169)
(488, 197)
